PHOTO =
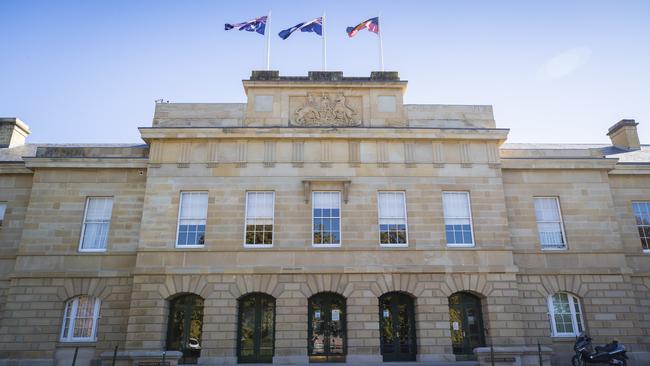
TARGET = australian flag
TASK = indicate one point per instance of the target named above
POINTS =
(256, 25)
(315, 25)
(372, 24)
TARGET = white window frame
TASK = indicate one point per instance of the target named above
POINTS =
(574, 320)
(74, 303)
(317, 245)
(471, 220)
(3, 213)
(246, 245)
(178, 221)
(561, 222)
(637, 225)
(83, 226)
(393, 245)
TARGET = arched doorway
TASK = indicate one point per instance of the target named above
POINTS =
(466, 324)
(256, 329)
(327, 328)
(397, 327)
(184, 327)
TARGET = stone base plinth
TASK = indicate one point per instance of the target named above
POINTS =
(513, 356)
(140, 358)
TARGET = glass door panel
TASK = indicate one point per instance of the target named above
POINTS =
(256, 329)
(327, 331)
(466, 324)
(397, 327)
(184, 327)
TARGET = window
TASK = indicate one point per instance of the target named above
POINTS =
(97, 220)
(392, 218)
(549, 223)
(3, 208)
(326, 225)
(642, 215)
(191, 219)
(566, 315)
(458, 218)
(80, 319)
(259, 218)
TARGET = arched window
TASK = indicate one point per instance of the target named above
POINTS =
(80, 319)
(566, 315)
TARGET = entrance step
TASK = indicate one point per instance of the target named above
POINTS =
(439, 363)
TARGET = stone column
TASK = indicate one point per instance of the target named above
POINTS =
(432, 326)
(219, 329)
(291, 326)
(363, 328)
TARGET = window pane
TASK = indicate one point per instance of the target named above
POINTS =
(458, 222)
(392, 215)
(259, 217)
(549, 222)
(565, 318)
(326, 217)
(96, 223)
(455, 204)
(642, 217)
(3, 208)
(81, 316)
(193, 217)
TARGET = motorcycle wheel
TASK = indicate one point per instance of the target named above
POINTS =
(577, 361)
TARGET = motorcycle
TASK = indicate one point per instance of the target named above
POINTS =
(611, 354)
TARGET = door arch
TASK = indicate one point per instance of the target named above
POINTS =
(327, 339)
(397, 327)
(466, 324)
(256, 328)
(184, 327)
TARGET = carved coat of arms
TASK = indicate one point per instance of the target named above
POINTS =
(324, 110)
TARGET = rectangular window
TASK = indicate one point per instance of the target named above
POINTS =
(326, 213)
(3, 208)
(392, 218)
(458, 218)
(192, 216)
(96, 222)
(259, 218)
(549, 223)
(642, 216)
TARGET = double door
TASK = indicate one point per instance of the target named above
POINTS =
(184, 327)
(397, 327)
(327, 333)
(466, 324)
(256, 329)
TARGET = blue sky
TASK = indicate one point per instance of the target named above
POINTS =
(555, 71)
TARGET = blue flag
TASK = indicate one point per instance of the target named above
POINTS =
(256, 25)
(315, 26)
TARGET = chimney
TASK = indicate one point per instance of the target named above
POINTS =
(13, 132)
(623, 135)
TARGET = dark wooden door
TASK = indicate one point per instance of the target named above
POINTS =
(256, 329)
(397, 327)
(327, 328)
(184, 327)
(466, 324)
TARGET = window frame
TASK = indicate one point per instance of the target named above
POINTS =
(178, 220)
(644, 250)
(3, 213)
(471, 220)
(573, 299)
(74, 303)
(246, 245)
(316, 245)
(561, 222)
(83, 226)
(393, 245)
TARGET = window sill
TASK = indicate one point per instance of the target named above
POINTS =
(461, 246)
(190, 246)
(554, 249)
(92, 250)
(393, 245)
(77, 343)
(646, 251)
(325, 245)
(568, 338)
(258, 246)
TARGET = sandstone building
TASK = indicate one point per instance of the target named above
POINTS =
(323, 220)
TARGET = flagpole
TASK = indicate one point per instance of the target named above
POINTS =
(268, 42)
(324, 62)
(381, 44)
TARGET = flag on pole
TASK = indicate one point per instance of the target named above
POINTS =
(315, 25)
(256, 25)
(372, 24)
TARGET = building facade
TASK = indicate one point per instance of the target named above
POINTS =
(322, 220)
